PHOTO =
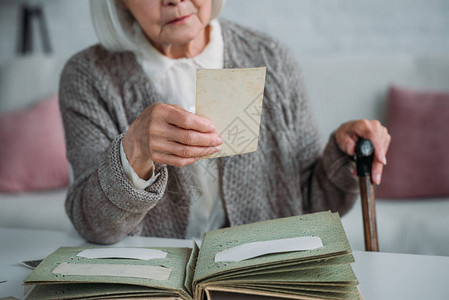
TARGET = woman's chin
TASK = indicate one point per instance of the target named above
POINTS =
(182, 33)
(181, 39)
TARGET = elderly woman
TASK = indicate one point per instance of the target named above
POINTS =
(135, 144)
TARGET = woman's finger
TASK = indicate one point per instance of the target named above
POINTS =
(184, 151)
(376, 172)
(191, 137)
(346, 143)
(177, 106)
(387, 141)
(186, 120)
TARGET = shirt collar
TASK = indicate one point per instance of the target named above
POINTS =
(156, 64)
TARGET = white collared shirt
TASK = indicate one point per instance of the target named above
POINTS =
(175, 80)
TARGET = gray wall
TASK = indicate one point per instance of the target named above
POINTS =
(308, 27)
(348, 27)
(69, 25)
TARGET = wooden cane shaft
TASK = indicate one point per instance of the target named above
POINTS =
(369, 214)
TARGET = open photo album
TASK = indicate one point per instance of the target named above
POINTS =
(300, 257)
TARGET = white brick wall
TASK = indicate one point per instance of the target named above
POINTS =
(308, 27)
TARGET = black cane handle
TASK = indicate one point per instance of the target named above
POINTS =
(364, 154)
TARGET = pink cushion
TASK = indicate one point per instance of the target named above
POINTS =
(32, 155)
(418, 158)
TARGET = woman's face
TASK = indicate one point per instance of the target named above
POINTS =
(172, 23)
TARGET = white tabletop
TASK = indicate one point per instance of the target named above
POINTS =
(381, 275)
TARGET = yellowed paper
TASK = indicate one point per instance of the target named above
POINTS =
(232, 100)
(210, 289)
(276, 295)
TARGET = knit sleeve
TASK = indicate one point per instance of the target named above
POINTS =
(102, 203)
(326, 177)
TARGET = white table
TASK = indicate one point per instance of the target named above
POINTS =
(382, 275)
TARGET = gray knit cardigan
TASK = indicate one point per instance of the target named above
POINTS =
(103, 92)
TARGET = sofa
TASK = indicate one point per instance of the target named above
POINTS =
(339, 89)
(26, 82)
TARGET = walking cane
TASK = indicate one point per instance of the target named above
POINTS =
(364, 153)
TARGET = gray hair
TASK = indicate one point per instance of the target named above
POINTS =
(115, 26)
